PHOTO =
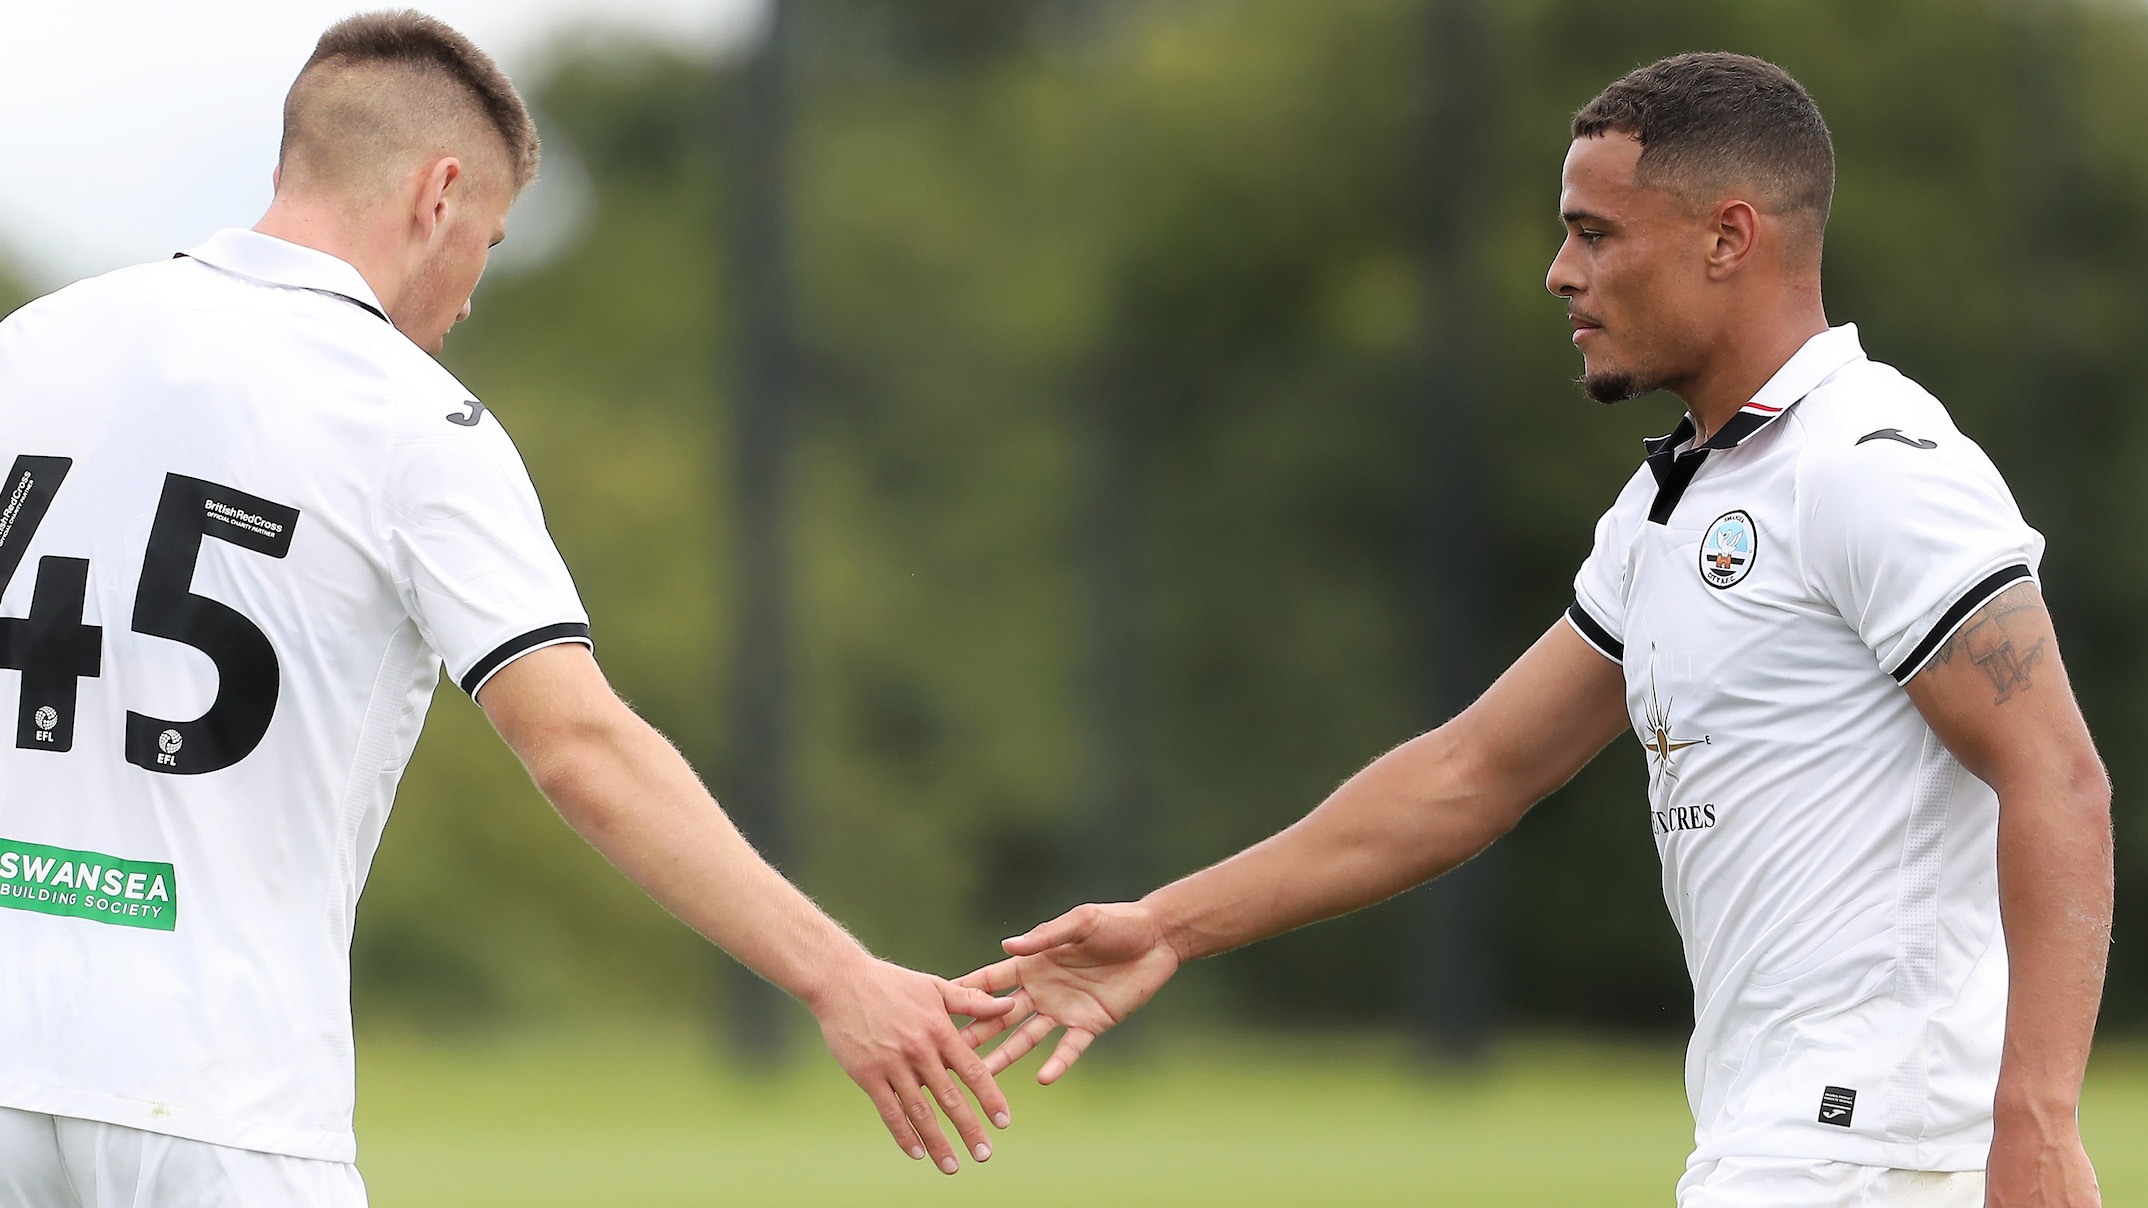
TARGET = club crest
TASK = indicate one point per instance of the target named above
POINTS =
(1727, 550)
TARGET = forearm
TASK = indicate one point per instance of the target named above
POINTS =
(1411, 815)
(2055, 888)
(633, 797)
(1415, 812)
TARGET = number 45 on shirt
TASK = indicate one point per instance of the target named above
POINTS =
(54, 649)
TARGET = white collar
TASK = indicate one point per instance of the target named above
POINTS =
(1811, 365)
(280, 262)
(1819, 359)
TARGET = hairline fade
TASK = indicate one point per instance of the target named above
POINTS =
(408, 40)
(1721, 123)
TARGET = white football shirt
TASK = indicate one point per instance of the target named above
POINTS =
(1831, 868)
(244, 522)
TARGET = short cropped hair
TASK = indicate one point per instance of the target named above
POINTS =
(392, 83)
(1714, 124)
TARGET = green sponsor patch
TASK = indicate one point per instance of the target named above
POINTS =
(88, 885)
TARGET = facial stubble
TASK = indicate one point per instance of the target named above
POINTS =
(1614, 386)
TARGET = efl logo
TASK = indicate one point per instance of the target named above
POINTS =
(1836, 1104)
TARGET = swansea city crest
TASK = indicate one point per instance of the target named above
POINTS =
(1727, 549)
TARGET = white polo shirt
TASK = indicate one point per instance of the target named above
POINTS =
(244, 522)
(1831, 868)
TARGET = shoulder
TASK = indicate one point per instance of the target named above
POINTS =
(1872, 431)
(1630, 508)
(429, 401)
(1631, 505)
(1615, 529)
(446, 448)
(102, 298)
(1883, 467)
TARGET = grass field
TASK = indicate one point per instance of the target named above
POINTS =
(651, 1122)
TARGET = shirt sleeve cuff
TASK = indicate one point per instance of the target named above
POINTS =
(1957, 613)
(1595, 634)
(513, 648)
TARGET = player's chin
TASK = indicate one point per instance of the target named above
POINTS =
(1612, 385)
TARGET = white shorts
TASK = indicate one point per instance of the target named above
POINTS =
(61, 1162)
(1804, 1183)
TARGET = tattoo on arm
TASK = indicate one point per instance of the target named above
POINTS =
(2002, 641)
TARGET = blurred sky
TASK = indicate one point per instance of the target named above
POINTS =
(134, 128)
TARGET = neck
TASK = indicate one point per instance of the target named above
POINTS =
(352, 237)
(1746, 355)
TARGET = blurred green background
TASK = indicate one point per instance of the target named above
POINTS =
(1146, 366)
(1009, 218)
(1235, 1121)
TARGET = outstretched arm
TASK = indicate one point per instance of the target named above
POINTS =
(1997, 695)
(1417, 811)
(629, 792)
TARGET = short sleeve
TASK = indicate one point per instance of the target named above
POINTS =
(1598, 613)
(474, 564)
(1907, 542)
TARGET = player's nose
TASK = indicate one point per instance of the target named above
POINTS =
(1558, 278)
(1562, 278)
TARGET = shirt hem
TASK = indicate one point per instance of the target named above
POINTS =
(1942, 1158)
(176, 1120)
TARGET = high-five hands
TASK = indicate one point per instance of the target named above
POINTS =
(890, 1029)
(1084, 971)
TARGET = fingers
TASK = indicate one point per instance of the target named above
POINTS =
(891, 1114)
(1069, 928)
(969, 1067)
(910, 1106)
(973, 1002)
(993, 979)
(1069, 1051)
(957, 1106)
(1015, 1047)
(925, 1122)
(1019, 1007)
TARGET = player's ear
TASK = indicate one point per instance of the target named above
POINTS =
(1737, 232)
(432, 202)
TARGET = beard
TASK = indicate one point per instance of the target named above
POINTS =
(1616, 386)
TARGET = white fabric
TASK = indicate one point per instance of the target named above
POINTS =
(1831, 868)
(1803, 1183)
(58, 1162)
(262, 370)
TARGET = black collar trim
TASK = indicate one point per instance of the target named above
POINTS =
(1674, 471)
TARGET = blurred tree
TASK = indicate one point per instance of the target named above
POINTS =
(764, 349)
(1451, 999)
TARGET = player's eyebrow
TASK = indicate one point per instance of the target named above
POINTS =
(1570, 217)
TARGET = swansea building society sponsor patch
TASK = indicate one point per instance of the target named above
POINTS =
(88, 885)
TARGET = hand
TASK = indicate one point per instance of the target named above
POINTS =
(889, 1028)
(2038, 1164)
(1084, 971)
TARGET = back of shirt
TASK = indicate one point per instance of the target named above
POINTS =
(244, 521)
